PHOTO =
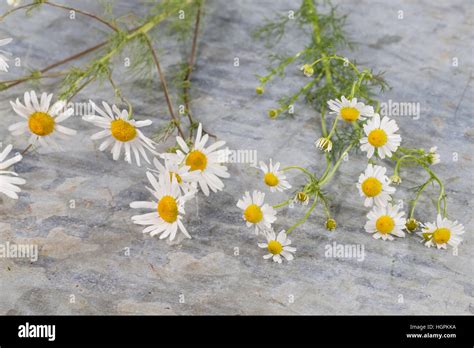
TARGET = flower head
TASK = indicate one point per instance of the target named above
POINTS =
(331, 224)
(277, 246)
(259, 90)
(301, 197)
(41, 119)
(411, 225)
(375, 186)
(3, 59)
(205, 161)
(441, 233)
(395, 179)
(380, 136)
(121, 131)
(386, 222)
(350, 110)
(324, 144)
(256, 213)
(168, 208)
(273, 113)
(9, 179)
(186, 179)
(433, 156)
(274, 178)
(307, 70)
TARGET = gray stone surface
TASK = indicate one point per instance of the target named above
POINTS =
(82, 249)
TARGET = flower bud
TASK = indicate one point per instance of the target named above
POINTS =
(331, 224)
(411, 224)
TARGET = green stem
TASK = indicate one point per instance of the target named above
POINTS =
(282, 204)
(418, 193)
(308, 213)
(311, 176)
(329, 176)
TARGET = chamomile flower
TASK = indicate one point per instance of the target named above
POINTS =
(386, 222)
(9, 179)
(3, 59)
(350, 110)
(168, 209)
(256, 213)
(206, 162)
(324, 144)
(277, 246)
(121, 131)
(186, 179)
(41, 119)
(302, 198)
(380, 136)
(374, 185)
(433, 156)
(441, 233)
(274, 178)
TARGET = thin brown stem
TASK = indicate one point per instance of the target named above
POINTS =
(164, 85)
(26, 149)
(103, 21)
(187, 77)
(59, 63)
(16, 9)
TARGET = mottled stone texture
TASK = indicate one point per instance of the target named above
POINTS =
(82, 249)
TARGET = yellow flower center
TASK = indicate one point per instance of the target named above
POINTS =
(350, 114)
(253, 214)
(275, 247)
(441, 235)
(371, 187)
(176, 175)
(302, 197)
(377, 137)
(385, 224)
(271, 179)
(41, 123)
(122, 130)
(168, 209)
(196, 160)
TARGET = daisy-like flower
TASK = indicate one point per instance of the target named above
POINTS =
(302, 198)
(350, 110)
(441, 233)
(205, 161)
(3, 59)
(168, 208)
(256, 213)
(433, 156)
(273, 178)
(121, 131)
(9, 179)
(386, 222)
(374, 185)
(41, 120)
(380, 136)
(186, 179)
(277, 246)
(324, 144)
